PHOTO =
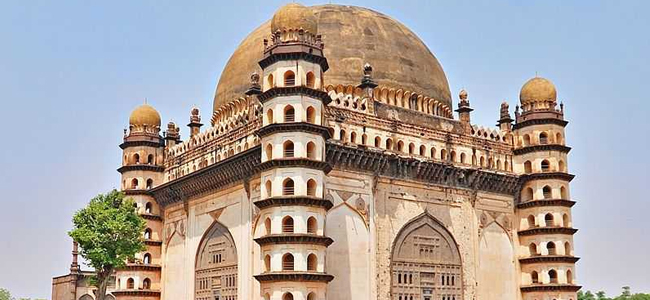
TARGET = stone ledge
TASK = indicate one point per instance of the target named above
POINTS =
(294, 238)
(294, 200)
(294, 276)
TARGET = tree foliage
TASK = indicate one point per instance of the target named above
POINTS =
(109, 233)
(626, 294)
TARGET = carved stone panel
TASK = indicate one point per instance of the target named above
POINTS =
(425, 264)
(216, 266)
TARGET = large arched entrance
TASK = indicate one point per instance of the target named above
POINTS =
(425, 263)
(216, 266)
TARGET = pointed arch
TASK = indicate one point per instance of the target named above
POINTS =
(216, 257)
(408, 245)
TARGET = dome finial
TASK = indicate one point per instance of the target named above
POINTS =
(537, 90)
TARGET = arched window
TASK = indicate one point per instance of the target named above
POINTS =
(364, 139)
(353, 137)
(147, 234)
(569, 277)
(565, 221)
(287, 263)
(400, 146)
(534, 277)
(563, 194)
(312, 262)
(269, 151)
(267, 263)
(311, 79)
(311, 187)
(527, 194)
(312, 225)
(558, 138)
(270, 81)
(267, 296)
(528, 167)
(289, 78)
(134, 183)
(482, 160)
(550, 246)
(267, 225)
(526, 140)
(311, 296)
(287, 224)
(311, 115)
(443, 154)
(452, 156)
(499, 165)
(377, 142)
(130, 284)
(342, 136)
(146, 284)
(552, 275)
(463, 158)
(473, 159)
(149, 183)
(269, 190)
(411, 148)
(543, 138)
(311, 150)
(567, 249)
(389, 144)
(148, 208)
(288, 187)
(146, 259)
(269, 116)
(423, 150)
(546, 190)
(533, 249)
(531, 221)
(289, 114)
(560, 166)
(548, 219)
(287, 296)
(546, 166)
(433, 152)
(150, 159)
(136, 158)
(287, 149)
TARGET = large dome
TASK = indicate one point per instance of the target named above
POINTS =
(352, 36)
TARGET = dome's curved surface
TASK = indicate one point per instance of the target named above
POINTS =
(352, 37)
(537, 89)
(144, 114)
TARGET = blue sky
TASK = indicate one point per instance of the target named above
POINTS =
(71, 72)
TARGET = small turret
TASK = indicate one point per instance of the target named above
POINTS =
(464, 111)
(255, 87)
(505, 121)
(195, 122)
(74, 266)
(172, 135)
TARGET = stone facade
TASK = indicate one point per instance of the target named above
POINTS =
(304, 188)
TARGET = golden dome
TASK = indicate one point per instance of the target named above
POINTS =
(537, 89)
(353, 36)
(145, 114)
(294, 16)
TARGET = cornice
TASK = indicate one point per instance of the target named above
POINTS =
(550, 288)
(549, 259)
(294, 200)
(294, 127)
(295, 90)
(294, 276)
(151, 217)
(141, 167)
(135, 143)
(141, 267)
(294, 238)
(546, 202)
(274, 57)
(547, 175)
(537, 148)
(295, 162)
(541, 121)
(548, 230)
(135, 292)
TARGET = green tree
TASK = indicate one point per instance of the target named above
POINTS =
(600, 295)
(585, 295)
(109, 232)
(5, 294)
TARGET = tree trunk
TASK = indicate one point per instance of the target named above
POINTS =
(103, 278)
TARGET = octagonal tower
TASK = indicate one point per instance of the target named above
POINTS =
(293, 167)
